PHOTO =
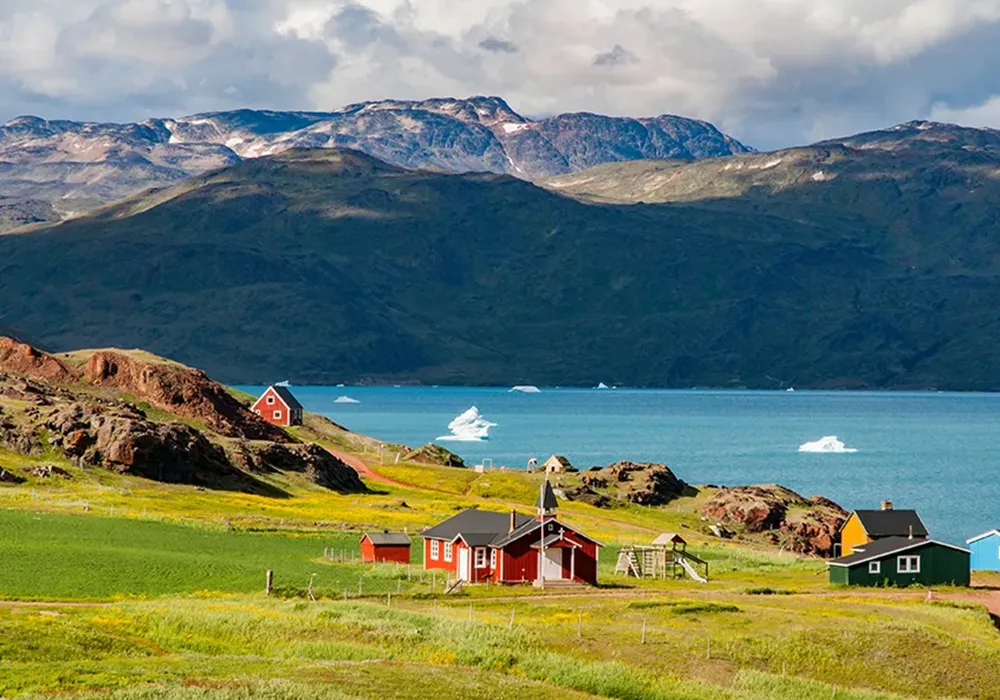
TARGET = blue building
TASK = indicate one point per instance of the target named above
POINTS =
(985, 551)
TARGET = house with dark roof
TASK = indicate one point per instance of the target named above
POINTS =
(902, 561)
(277, 406)
(385, 546)
(866, 526)
(479, 546)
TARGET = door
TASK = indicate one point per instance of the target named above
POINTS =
(553, 565)
(463, 564)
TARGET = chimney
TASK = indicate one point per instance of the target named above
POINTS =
(911, 532)
(886, 505)
(513, 520)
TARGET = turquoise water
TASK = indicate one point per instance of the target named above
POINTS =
(936, 452)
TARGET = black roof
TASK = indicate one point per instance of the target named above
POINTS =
(547, 499)
(891, 523)
(533, 525)
(886, 547)
(395, 539)
(286, 396)
(474, 523)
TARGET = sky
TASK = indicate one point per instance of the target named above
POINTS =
(772, 73)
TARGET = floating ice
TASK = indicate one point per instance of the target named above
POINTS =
(346, 399)
(468, 427)
(830, 443)
(527, 389)
(602, 385)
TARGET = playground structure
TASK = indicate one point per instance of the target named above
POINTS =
(667, 557)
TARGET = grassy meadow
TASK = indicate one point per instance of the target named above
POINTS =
(116, 587)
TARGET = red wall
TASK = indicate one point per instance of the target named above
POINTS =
(393, 553)
(520, 561)
(441, 564)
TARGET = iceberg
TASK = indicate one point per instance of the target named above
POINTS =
(526, 389)
(828, 444)
(346, 399)
(285, 384)
(468, 427)
(602, 385)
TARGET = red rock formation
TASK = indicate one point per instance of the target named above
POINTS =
(182, 391)
(19, 358)
(804, 526)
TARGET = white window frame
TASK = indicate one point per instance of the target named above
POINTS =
(875, 567)
(449, 551)
(277, 414)
(435, 549)
(493, 558)
(480, 558)
(270, 400)
(908, 564)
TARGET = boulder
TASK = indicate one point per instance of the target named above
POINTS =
(585, 494)
(642, 483)
(49, 472)
(806, 526)
(434, 454)
(182, 391)
(7, 477)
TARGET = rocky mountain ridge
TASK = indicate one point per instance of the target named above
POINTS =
(79, 165)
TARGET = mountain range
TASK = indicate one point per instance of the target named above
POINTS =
(78, 165)
(870, 261)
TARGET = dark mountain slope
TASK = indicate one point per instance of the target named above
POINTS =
(328, 266)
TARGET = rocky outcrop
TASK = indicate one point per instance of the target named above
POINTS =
(182, 391)
(19, 358)
(7, 477)
(434, 454)
(316, 463)
(585, 494)
(642, 483)
(121, 440)
(807, 526)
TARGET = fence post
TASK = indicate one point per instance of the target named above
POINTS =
(388, 600)
(470, 612)
(399, 585)
(269, 586)
(579, 625)
(643, 630)
(510, 625)
(345, 595)
(359, 587)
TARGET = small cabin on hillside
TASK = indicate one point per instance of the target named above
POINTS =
(277, 405)
(557, 464)
(866, 526)
(479, 546)
(903, 561)
(385, 547)
(985, 550)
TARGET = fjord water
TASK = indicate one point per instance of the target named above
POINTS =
(936, 452)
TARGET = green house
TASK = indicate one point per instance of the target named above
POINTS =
(902, 561)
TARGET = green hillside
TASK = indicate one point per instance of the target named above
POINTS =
(326, 266)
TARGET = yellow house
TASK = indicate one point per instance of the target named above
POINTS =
(864, 526)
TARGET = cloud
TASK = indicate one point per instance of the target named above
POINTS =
(772, 73)
(618, 56)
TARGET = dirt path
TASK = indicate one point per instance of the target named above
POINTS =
(364, 470)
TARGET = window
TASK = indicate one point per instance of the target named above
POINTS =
(874, 567)
(277, 415)
(435, 546)
(447, 551)
(908, 565)
(493, 558)
(480, 558)
(270, 400)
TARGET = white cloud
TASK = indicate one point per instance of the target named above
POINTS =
(772, 71)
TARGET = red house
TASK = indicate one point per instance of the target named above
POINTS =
(385, 546)
(479, 546)
(278, 406)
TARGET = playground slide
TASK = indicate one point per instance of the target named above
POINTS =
(690, 570)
